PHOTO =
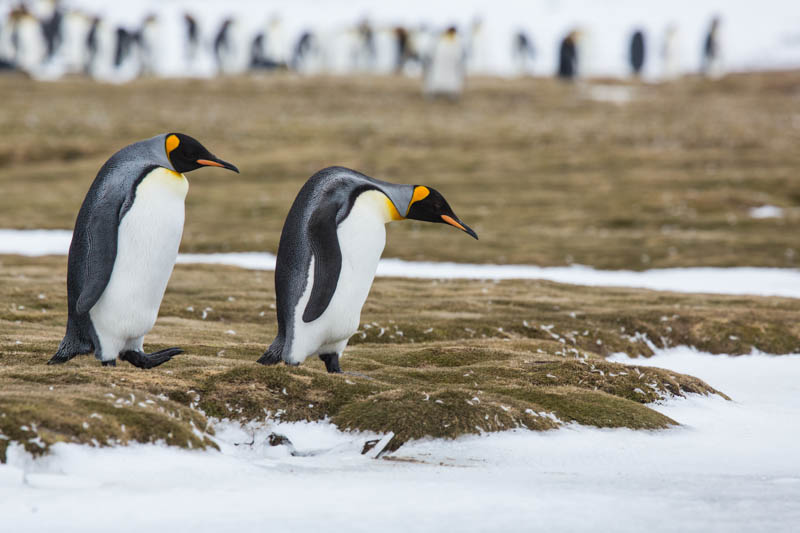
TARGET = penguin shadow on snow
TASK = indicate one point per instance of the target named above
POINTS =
(328, 253)
(124, 248)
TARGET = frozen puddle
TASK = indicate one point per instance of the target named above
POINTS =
(743, 280)
(732, 466)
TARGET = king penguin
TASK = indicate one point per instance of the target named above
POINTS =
(445, 74)
(124, 247)
(328, 253)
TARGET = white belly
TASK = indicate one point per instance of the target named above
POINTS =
(147, 246)
(362, 236)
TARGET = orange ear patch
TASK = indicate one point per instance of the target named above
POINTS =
(420, 193)
(172, 143)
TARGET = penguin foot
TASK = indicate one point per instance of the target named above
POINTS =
(331, 361)
(113, 362)
(149, 360)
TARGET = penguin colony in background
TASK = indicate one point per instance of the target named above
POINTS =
(124, 247)
(53, 40)
(129, 228)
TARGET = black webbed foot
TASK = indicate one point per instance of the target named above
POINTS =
(113, 362)
(149, 360)
(331, 361)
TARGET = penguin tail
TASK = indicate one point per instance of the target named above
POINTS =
(273, 355)
(66, 351)
(71, 345)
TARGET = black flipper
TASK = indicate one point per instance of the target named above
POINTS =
(327, 259)
(95, 255)
(91, 259)
(149, 360)
(331, 361)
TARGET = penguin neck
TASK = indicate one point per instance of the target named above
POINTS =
(377, 204)
(163, 181)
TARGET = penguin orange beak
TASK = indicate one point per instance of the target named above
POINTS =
(217, 163)
(460, 225)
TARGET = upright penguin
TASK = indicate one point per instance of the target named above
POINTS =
(124, 247)
(445, 73)
(523, 53)
(568, 57)
(636, 53)
(711, 62)
(331, 242)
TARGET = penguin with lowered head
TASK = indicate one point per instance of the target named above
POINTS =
(124, 247)
(328, 253)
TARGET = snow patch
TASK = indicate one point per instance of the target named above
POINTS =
(731, 466)
(766, 211)
(35, 242)
(614, 94)
(739, 280)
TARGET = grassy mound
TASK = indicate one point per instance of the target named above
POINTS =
(468, 357)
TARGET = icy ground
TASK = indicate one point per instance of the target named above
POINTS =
(731, 466)
(742, 280)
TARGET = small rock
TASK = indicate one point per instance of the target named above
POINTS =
(276, 439)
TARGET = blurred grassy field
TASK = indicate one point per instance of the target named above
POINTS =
(543, 172)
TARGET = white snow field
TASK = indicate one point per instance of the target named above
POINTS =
(739, 280)
(730, 466)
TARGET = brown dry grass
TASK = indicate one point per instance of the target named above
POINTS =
(542, 172)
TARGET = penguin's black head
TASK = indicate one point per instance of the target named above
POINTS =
(186, 154)
(430, 206)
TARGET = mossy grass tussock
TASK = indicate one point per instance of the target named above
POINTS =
(515, 354)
